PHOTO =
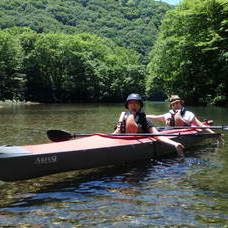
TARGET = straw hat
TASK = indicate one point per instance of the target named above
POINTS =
(175, 98)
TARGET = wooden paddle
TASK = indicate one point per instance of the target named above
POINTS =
(59, 135)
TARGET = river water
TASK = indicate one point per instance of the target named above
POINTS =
(161, 193)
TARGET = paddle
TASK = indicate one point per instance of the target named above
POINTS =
(198, 127)
(59, 135)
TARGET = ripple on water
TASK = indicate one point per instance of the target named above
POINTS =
(160, 193)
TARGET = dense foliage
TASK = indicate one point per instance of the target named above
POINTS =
(190, 57)
(59, 67)
(12, 81)
(129, 23)
(92, 50)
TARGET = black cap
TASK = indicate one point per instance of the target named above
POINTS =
(134, 96)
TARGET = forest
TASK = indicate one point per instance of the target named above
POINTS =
(81, 50)
(190, 56)
(129, 23)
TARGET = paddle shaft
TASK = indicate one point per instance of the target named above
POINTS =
(59, 135)
(196, 127)
(138, 134)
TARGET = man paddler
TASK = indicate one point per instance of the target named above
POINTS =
(178, 115)
(134, 121)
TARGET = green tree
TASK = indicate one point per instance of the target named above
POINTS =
(189, 57)
(12, 79)
(79, 67)
(131, 23)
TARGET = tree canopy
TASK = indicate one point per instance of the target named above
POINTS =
(190, 57)
(94, 50)
(129, 23)
(52, 67)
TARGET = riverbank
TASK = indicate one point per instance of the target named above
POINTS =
(16, 102)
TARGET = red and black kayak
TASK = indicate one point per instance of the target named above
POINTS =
(29, 161)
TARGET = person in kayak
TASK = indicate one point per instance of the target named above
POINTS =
(135, 121)
(178, 115)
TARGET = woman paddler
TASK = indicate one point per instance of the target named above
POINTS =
(134, 121)
(178, 115)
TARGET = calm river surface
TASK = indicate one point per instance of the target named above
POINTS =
(164, 193)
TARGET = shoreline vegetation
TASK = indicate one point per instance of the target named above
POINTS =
(146, 47)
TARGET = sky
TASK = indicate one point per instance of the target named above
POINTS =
(171, 2)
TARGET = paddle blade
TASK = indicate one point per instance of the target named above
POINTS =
(58, 135)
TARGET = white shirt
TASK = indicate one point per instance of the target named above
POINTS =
(187, 117)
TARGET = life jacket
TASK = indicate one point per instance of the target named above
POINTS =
(140, 119)
(173, 113)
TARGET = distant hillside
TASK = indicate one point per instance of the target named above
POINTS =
(130, 23)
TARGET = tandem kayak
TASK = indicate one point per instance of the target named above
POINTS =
(29, 161)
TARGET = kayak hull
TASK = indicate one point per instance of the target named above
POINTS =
(24, 162)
